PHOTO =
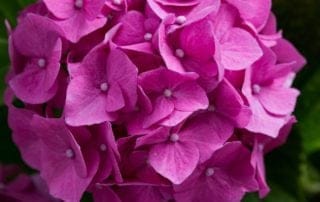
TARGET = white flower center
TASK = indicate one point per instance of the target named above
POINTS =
(181, 19)
(179, 53)
(110, 17)
(116, 2)
(103, 147)
(167, 93)
(42, 62)
(256, 88)
(174, 137)
(260, 147)
(148, 36)
(104, 87)
(78, 4)
(209, 172)
(69, 153)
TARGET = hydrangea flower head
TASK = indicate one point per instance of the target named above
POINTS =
(155, 100)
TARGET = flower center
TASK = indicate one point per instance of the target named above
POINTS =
(174, 137)
(209, 172)
(69, 153)
(181, 19)
(260, 147)
(103, 147)
(42, 62)
(148, 36)
(110, 16)
(256, 88)
(104, 87)
(167, 93)
(78, 4)
(179, 53)
(116, 2)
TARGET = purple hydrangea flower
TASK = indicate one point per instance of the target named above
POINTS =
(104, 84)
(156, 100)
(77, 17)
(40, 49)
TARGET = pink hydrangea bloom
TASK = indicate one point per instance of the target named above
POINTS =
(77, 17)
(173, 96)
(182, 147)
(156, 100)
(61, 158)
(224, 177)
(103, 84)
(40, 48)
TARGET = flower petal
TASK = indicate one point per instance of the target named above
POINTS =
(239, 50)
(174, 161)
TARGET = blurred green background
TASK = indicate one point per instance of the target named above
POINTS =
(293, 171)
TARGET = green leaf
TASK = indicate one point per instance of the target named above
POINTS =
(8, 151)
(283, 165)
(278, 194)
(251, 197)
(3, 72)
(309, 114)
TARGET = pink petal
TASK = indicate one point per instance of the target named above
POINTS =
(122, 71)
(132, 29)
(255, 12)
(233, 108)
(78, 26)
(175, 118)
(108, 155)
(23, 136)
(61, 9)
(287, 53)
(166, 52)
(114, 99)
(262, 122)
(93, 8)
(57, 139)
(53, 67)
(208, 132)
(239, 50)
(72, 189)
(271, 26)
(153, 80)
(85, 103)
(174, 161)
(280, 101)
(162, 107)
(283, 135)
(30, 86)
(257, 162)
(157, 136)
(224, 20)
(40, 39)
(197, 40)
(189, 96)
(157, 80)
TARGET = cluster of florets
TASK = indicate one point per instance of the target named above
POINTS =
(150, 100)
